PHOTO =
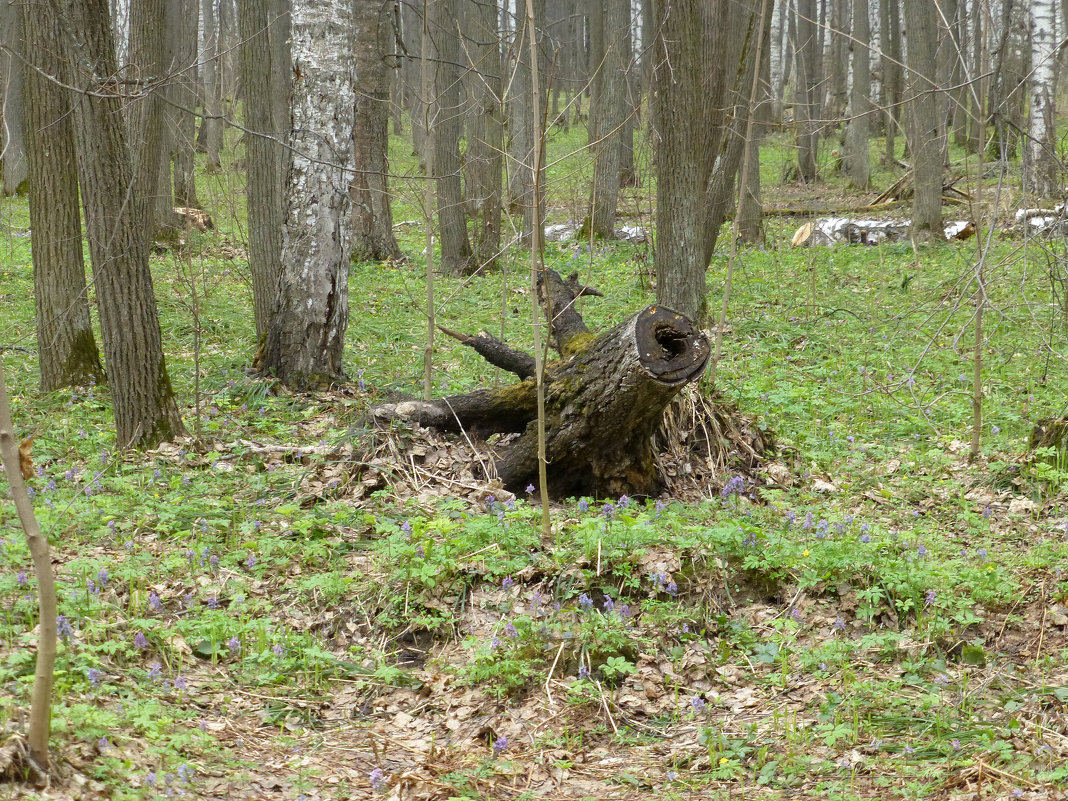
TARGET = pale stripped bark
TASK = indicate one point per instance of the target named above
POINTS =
(306, 334)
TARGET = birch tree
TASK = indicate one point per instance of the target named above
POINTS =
(306, 334)
(1040, 162)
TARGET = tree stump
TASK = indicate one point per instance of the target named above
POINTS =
(1051, 432)
(604, 398)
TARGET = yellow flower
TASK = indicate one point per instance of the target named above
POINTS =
(723, 761)
(806, 552)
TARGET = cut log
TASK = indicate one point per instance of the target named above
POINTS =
(603, 401)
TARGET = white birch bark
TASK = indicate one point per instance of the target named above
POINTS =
(306, 335)
(1040, 164)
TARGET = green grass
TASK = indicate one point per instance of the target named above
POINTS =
(866, 642)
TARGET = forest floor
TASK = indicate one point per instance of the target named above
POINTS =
(288, 605)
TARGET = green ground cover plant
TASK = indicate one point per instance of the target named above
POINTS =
(242, 616)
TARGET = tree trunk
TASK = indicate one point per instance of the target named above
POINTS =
(66, 349)
(306, 336)
(210, 136)
(447, 115)
(184, 15)
(484, 163)
(607, 112)
(890, 39)
(806, 105)
(13, 165)
(741, 54)
(411, 32)
(1040, 165)
(521, 126)
(372, 217)
(141, 394)
(688, 112)
(265, 157)
(921, 27)
(837, 91)
(150, 138)
(603, 401)
(858, 158)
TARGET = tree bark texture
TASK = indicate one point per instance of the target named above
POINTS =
(149, 137)
(184, 16)
(807, 101)
(483, 160)
(447, 116)
(858, 157)
(521, 126)
(608, 111)
(141, 394)
(306, 336)
(209, 139)
(13, 165)
(921, 27)
(372, 216)
(893, 80)
(1040, 165)
(66, 349)
(744, 19)
(603, 402)
(689, 88)
(266, 157)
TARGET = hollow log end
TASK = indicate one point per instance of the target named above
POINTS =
(671, 349)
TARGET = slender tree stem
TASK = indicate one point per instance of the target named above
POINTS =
(41, 701)
(428, 204)
(536, 245)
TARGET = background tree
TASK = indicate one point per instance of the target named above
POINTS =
(1040, 163)
(521, 142)
(182, 21)
(926, 128)
(306, 336)
(892, 84)
(483, 160)
(66, 349)
(806, 92)
(372, 216)
(609, 57)
(446, 117)
(13, 165)
(209, 137)
(141, 394)
(263, 42)
(858, 158)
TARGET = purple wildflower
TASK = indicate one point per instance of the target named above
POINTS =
(698, 703)
(235, 645)
(140, 641)
(585, 601)
(277, 650)
(377, 778)
(500, 745)
(63, 627)
(508, 583)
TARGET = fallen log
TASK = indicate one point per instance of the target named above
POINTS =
(604, 398)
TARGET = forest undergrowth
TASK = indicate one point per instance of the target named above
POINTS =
(251, 612)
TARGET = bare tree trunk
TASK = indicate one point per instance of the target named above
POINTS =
(149, 137)
(858, 157)
(411, 28)
(210, 136)
(12, 152)
(141, 394)
(184, 15)
(372, 217)
(306, 336)
(447, 115)
(837, 91)
(484, 163)
(806, 105)
(743, 18)
(521, 143)
(266, 157)
(66, 349)
(890, 40)
(962, 91)
(921, 27)
(607, 112)
(688, 112)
